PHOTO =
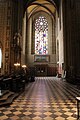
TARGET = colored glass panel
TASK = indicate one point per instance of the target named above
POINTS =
(41, 36)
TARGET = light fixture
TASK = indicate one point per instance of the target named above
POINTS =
(23, 66)
(16, 64)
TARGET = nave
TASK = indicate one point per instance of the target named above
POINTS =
(47, 98)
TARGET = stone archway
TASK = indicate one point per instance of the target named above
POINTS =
(34, 9)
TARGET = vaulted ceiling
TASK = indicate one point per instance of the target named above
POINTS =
(48, 6)
(28, 2)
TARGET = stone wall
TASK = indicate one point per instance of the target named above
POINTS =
(10, 23)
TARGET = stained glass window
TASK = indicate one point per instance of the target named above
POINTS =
(41, 36)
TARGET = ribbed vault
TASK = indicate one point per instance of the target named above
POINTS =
(49, 6)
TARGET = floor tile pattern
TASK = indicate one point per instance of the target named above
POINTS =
(48, 98)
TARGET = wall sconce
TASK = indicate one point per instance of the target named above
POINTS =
(16, 64)
(24, 66)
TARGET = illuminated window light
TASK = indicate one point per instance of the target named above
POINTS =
(0, 57)
(41, 35)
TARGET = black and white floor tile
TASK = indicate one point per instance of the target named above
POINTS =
(48, 98)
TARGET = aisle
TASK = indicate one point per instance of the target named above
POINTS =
(47, 98)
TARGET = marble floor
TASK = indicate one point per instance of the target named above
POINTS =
(48, 98)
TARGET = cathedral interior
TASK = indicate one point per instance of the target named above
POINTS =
(39, 59)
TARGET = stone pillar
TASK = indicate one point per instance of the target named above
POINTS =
(71, 21)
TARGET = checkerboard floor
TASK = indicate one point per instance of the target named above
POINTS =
(47, 98)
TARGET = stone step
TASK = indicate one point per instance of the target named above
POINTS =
(3, 92)
(9, 100)
(5, 96)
